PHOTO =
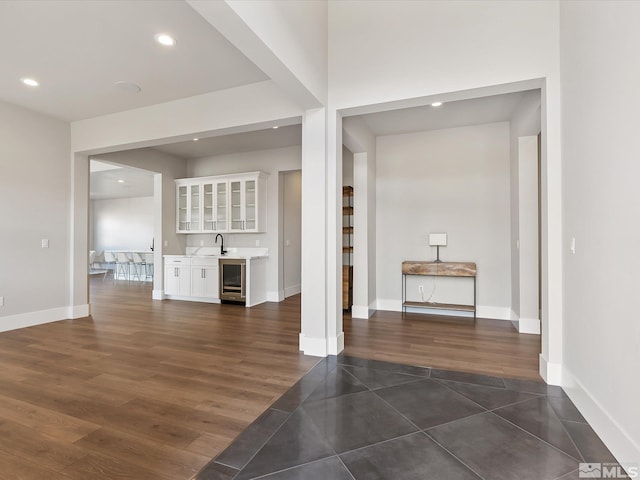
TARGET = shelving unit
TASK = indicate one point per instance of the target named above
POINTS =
(347, 247)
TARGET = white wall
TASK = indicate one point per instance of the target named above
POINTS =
(34, 205)
(271, 161)
(525, 122)
(292, 232)
(171, 167)
(347, 167)
(122, 223)
(384, 51)
(359, 139)
(600, 102)
(454, 181)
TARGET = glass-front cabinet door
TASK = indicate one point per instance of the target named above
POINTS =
(237, 220)
(194, 208)
(208, 212)
(183, 208)
(250, 207)
(222, 206)
(189, 208)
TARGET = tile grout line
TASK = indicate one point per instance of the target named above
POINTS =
(538, 438)
(451, 453)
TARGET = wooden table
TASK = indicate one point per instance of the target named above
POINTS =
(438, 269)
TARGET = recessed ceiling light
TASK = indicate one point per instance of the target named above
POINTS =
(129, 87)
(196, 139)
(30, 82)
(275, 127)
(436, 104)
(164, 39)
(120, 181)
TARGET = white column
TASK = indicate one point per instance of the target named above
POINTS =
(313, 325)
(79, 233)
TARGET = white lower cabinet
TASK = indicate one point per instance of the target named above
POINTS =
(177, 278)
(191, 278)
(204, 278)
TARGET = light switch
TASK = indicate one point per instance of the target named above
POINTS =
(1, 301)
(45, 243)
(573, 245)
(166, 243)
(287, 243)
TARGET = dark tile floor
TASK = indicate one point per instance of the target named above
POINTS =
(350, 418)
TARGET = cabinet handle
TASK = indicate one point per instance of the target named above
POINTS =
(202, 273)
(175, 271)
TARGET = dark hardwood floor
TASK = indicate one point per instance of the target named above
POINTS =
(148, 389)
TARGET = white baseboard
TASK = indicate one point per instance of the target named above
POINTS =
(359, 311)
(614, 435)
(157, 295)
(550, 372)
(483, 311)
(79, 311)
(293, 290)
(30, 319)
(321, 347)
(529, 325)
(373, 307)
(316, 347)
(276, 296)
(192, 299)
(336, 344)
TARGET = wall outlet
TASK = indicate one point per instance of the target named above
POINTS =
(287, 243)
(166, 243)
(202, 243)
(257, 243)
(1, 301)
(573, 246)
(44, 243)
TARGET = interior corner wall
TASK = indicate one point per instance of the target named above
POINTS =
(35, 177)
(358, 138)
(525, 121)
(347, 167)
(292, 232)
(454, 181)
(271, 161)
(600, 150)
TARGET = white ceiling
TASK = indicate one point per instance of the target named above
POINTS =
(496, 108)
(286, 136)
(77, 50)
(103, 183)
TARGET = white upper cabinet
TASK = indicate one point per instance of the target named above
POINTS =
(215, 206)
(188, 213)
(227, 203)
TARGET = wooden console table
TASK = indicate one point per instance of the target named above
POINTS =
(438, 269)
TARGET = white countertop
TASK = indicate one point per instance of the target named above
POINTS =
(232, 253)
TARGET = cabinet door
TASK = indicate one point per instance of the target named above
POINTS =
(222, 206)
(236, 206)
(208, 207)
(194, 208)
(250, 205)
(177, 280)
(182, 211)
(204, 282)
